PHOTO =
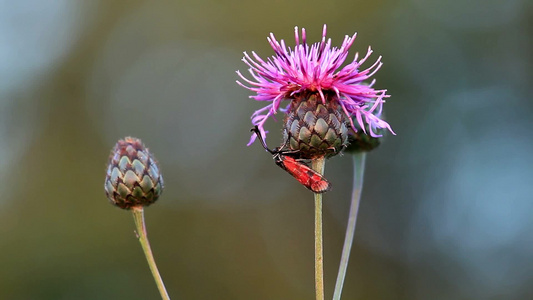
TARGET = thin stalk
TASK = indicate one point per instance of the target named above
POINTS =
(318, 165)
(138, 216)
(358, 174)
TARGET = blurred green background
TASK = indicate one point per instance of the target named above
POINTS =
(447, 210)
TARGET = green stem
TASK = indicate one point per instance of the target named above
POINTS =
(358, 173)
(318, 165)
(138, 216)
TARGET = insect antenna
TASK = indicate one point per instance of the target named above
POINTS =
(260, 137)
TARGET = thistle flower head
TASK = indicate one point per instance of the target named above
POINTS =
(133, 177)
(296, 74)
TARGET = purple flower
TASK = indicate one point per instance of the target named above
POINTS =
(315, 69)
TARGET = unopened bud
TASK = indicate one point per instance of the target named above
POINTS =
(361, 142)
(133, 176)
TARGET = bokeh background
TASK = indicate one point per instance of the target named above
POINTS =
(447, 210)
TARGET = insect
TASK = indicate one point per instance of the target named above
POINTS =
(288, 161)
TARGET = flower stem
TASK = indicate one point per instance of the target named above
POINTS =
(358, 173)
(138, 216)
(318, 165)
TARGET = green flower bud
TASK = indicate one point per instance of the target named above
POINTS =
(133, 177)
(361, 142)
